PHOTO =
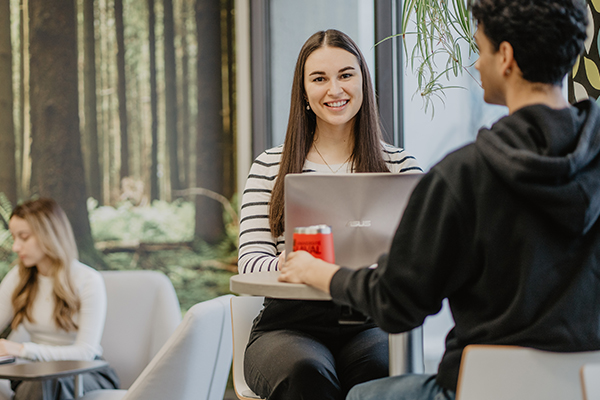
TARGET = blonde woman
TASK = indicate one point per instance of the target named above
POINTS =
(59, 301)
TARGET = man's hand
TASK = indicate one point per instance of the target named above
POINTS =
(301, 267)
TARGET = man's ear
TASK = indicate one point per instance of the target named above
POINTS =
(507, 59)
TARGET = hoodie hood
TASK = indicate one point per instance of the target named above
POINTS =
(551, 158)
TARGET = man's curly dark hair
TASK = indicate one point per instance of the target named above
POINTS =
(547, 36)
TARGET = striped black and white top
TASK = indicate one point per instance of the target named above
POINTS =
(258, 249)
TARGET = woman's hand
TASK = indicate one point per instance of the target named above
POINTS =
(8, 348)
(281, 260)
(301, 267)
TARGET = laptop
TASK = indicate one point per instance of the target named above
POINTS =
(363, 210)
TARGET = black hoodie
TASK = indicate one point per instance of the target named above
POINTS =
(507, 229)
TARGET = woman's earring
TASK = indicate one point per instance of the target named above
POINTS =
(507, 72)
(307, 106)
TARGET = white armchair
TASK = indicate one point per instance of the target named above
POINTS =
(194, 364)
(142, 312)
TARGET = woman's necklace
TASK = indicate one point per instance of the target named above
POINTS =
(328, 166)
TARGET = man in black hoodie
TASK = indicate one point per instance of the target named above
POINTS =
(505, 228)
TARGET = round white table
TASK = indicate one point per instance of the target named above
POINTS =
(266, 284)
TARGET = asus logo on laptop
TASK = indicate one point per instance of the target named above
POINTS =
(358, 224)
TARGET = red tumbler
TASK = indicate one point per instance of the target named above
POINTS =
(317, 240)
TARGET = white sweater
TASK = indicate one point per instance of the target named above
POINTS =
(258, 249)
(48, 342)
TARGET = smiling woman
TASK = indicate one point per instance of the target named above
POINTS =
(298, 349)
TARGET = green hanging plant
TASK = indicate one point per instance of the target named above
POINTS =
(5, 237)
(444, 31)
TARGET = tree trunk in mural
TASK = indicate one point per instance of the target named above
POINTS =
(92, 164)
(8, 171)
(185, 95)
(23, 101)
(154, 189)
(171, 94)
(56, 146)
(229, 174)
(121, 89)
(209, 143)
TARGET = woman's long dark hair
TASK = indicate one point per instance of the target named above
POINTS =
(366, 154)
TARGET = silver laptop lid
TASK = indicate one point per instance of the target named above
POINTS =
(363, 210)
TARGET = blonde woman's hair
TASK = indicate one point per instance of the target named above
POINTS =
(50, 226)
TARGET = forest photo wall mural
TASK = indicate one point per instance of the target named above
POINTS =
(123, 111)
